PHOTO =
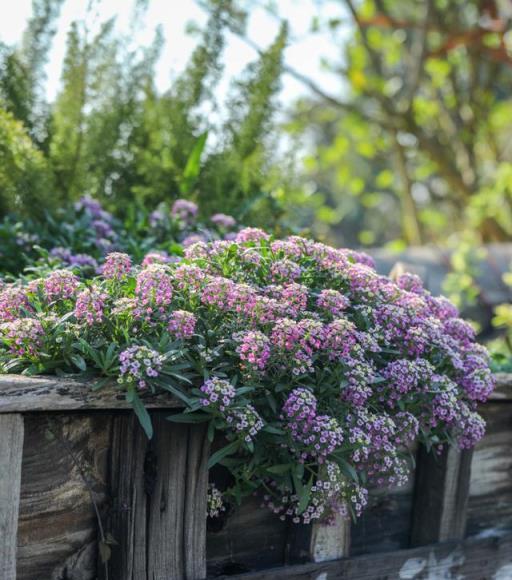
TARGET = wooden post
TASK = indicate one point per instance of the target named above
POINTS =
(159, 512)
(441, 496)
(11, 452)
(318, 542)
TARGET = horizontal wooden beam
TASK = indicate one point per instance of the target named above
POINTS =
(21, 394)
(472, 560)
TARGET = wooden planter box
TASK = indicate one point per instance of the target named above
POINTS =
(67, 451)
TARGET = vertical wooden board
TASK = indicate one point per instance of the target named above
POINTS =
(385, 524)
(490, 494)
(167, 503)
(127, 510)
(441, 496)
(177, 509)
(57, 536)
(330, 541)
(253, 538)
(194, 533)
(11, 451)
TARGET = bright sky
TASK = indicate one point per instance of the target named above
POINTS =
(304, 54)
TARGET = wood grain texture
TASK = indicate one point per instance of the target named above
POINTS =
(158, 511)
(11, 451)
(252, 538)
(441, 496)
(127, 500)
(385, 524)
(330, 541)
(57, 536)
(490, 493)
(20, 394)
(472, 560)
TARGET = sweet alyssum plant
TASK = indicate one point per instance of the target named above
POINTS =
(318, 372)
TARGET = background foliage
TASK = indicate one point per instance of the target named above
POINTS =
(415, 148)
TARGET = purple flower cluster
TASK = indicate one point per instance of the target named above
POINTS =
(285, 270)
(297, 342)
(89, 306)
(139, 363)
(184, 210)
(156, 258)
(24, 336)
(221, 220)
(251, 235)
(317, 435)
(182, 324)
(66, 256)
(330, 495)
(246, 422)
(13, 302)
(217, 394)
(332, 302)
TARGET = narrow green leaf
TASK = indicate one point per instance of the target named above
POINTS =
(224, 452)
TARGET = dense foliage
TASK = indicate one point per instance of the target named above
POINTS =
(416, 145)
(79, 236)
(110, 133)
(318, 372)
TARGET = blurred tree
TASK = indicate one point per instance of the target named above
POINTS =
(110, 134)
(415, 150)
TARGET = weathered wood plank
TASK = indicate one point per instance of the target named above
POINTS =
(11, 450)
(318, 542)
(127, 514)
(252, 538)
(441, 496)
(57, 534)
(472, 560)
(159, 507)
(194, 531)
(490, 493)
(20, 394)
(385, 524)
(330, 542)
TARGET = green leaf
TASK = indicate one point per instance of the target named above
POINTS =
(193, 166)
(188, 418)
(79, 362)
(224, 452)
(278, 469)
(142, 414)
(273, 430)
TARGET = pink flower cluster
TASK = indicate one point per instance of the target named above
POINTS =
(60, 285)
(182, 324)
(153, 291)
(253, 349)
(117, 266)
(89, 306)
